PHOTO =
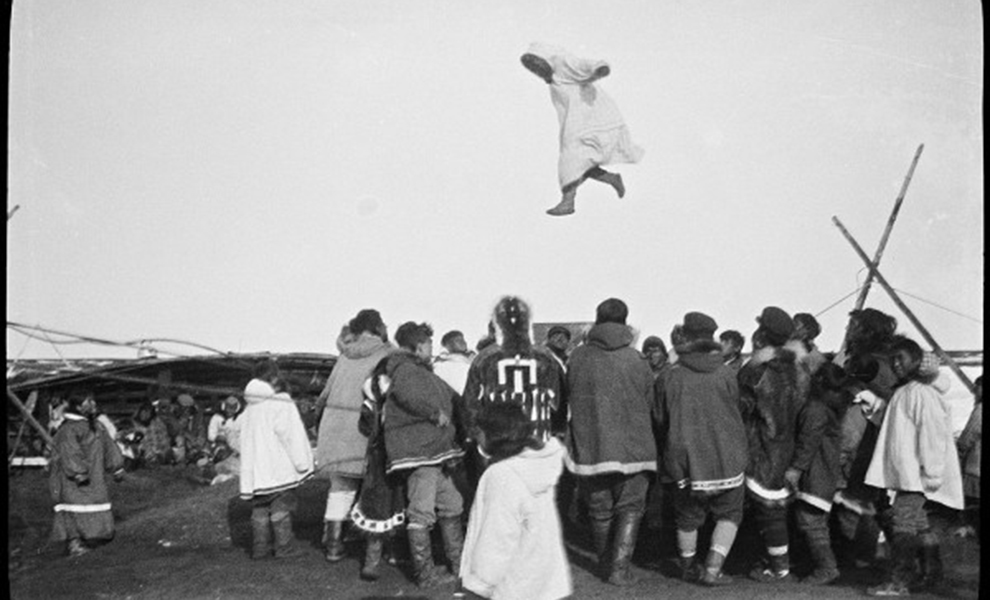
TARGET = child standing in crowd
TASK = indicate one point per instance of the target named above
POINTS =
(514, 547)
(703, 447)
(814, 472)
(420, 440)
(970, 448)
(915, 461)
(275, 459)
(82, 455)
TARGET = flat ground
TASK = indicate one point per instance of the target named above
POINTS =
(179, 539)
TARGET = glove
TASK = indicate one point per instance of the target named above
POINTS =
(442, 419)
(81, 480)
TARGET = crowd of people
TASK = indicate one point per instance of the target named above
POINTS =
(496, 448)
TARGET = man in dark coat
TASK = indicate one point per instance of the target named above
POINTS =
(703, 446)
(610, 437)
(772, 392)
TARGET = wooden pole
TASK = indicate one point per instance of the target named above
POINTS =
(30, 418)
(865, 290)
(861, 300)
(907, 312)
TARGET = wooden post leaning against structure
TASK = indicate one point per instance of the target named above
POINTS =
(907, 311)
(30, 418)
(861, 299)
(865, 290)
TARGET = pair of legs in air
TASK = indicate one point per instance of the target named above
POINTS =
(566, 204)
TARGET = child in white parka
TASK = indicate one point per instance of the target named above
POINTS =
(514, 547)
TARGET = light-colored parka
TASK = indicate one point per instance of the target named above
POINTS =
(514, 548)
(340, 447)
(275, 452)
(915, 446)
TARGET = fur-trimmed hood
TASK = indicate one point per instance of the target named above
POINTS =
(791, 352)
(359, 346)
(700, 356)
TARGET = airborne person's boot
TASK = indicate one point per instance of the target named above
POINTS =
(565, 206)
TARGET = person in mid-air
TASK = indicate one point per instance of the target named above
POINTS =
(592, 132)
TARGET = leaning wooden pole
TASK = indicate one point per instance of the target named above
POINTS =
(907, 311)
(30, 418)
(861, 300)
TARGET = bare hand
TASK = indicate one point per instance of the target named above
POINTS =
(793, 477)
(442, 419)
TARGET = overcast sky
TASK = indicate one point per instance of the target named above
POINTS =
(248, 175)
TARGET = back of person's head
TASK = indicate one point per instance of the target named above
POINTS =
(733, 337)
(871, 331)
(512, 316)
(612, 310)
(806, 327)
(776, 326)
(453, 341)
(266, 370)
(370, 321)
(507, 430)
(410, 335)
(698, 326)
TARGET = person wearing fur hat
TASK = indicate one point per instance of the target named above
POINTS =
(703, 447)
(916, 462)
(814, 472)
(655, 352)
(340, 447)
(420, 441)
(772, 392)
(610, 442)
(82, 456)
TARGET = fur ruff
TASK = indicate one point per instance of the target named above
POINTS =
(698, 346)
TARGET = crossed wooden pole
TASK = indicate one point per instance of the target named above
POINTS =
(874, 273)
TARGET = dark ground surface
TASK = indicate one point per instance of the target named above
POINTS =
(179, 539)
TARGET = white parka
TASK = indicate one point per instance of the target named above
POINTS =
(915, 451)
(514, 548)
(275, 452)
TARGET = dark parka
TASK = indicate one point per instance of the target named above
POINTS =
(816, 452)
(415, 399)
(703, 441)
(612, 404)
(772, 393)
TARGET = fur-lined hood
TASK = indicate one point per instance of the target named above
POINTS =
(790, 353)
(359, 346)
(700, 356)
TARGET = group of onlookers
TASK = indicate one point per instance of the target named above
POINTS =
(846, 447)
